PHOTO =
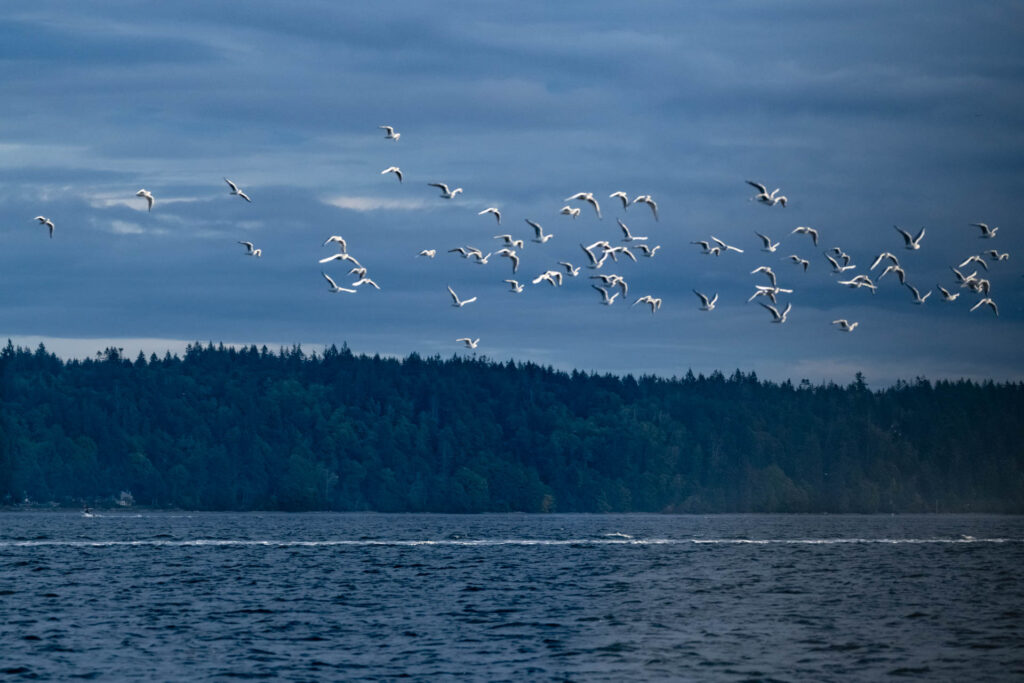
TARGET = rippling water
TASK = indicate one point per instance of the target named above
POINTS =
(176, 596)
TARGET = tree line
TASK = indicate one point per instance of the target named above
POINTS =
(249, 428)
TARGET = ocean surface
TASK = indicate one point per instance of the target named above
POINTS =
(171, 596)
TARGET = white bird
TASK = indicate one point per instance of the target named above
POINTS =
(341, 257)
(776, 316)
(571, 271)
(359, 271)
(988, 302)
(767, 271)
(332, 286)
(996, 256)
(456, 301)
(648, 251)
(389, 133)
(550, 276)
(491, 209)
(236, 191)
(365, 281)
(764, 197)
(594, 261)
(605, 298)
(974, 259)
(393, 169)
(804, 230)
(342, 244)
(509, 242)
(445, 192)
(836, 268)
(912, 242)
(586, 197)
(884, 255)
(654, 303)
(250, 251)
(467, 251)
(918, 299)
(845, 325)
(859, 281)
(43, 220)
(481, 260)
(985, 230)
(799, 261)
(622, 196)
(724, 246)
(516, 288)
(148, 197)
(627, 236)
(770, 292)
(706, 304)
(769, 246)
(900, 273)
(612, 251)
(946, 296)
(512, 256)
(646, 199)
(570, 211)
(540, 238)
(429, 253)
(470, 343)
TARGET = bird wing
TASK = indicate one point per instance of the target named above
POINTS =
(703, 298)
(760, 188)
(327, 277)
(440, 186)
(774, 311)
(906, 235)
(234, 188)
(455, 297)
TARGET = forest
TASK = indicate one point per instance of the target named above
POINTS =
(253, 429)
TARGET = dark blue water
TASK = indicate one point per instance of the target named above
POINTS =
(174, 596)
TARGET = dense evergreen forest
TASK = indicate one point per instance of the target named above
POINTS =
(222, 428)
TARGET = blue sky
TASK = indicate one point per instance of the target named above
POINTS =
(866, 115)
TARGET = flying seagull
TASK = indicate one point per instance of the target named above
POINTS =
(148, 197)
(236, 191)
(764, 197)
(491, 209)
(605, 298)
(456, 301)
(988, 302)
(470, 343)
(429, 253)
(804, 230)
(622, 197)
(342, 244)
(912, 242)
(776, 316)
(332, 286)
(706, 304)
(389, 133)
(627, 236)
(646, 199)
(445, 192)
(43, 220)
(985, 230)
(769, 246)
(393, 169)
(586, 197)
(845, 325)
(918, 299)
(540, 238)
(250, 251)
(570, 211)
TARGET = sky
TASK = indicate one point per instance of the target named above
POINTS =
(866, 115)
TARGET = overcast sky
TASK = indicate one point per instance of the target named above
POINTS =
(866, 115)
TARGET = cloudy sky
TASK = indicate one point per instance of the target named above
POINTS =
(866, 115)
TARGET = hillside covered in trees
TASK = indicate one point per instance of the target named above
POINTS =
(252, 429)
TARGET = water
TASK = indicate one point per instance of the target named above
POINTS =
(178, 596)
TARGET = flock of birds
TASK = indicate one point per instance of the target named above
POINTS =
(610, 286)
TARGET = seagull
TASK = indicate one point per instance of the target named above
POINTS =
(836, 268)
(706, 304)
(859, 281)
(706, 247)
(985, 230)
(509, 242)
(804, 230)
(43, 220)
(512, 256)
(470, 343)
(491, 209)
(332, 286)
(366, 281)
(148, 197)
(235, 190)
(900, 273)
(982, 285)
(571, 271)
(799, 261)
(570, 211)
(389, 133)
(516, 288)
(605, 298)
(960, 278)
(776, 316)
(770, 292)
(359, 271)
(974, 259)
(648, 251)
(481, 260)
(946, 296)
(249, 251)
(996, 256)
(445, 192)
(764, 197)
(769, 246)
(341, 257)
(456, 301)
(550, 276)
(724, 246)
(587, 197)
(540, 238)
(845, 325)
(989, 302)
(883, 255)
(918, 299)
(467, 251)
(429, 253)
(342, 244)
(912, 242)
(654, 303)
(393, 169)
(594, 261)
(767, 271)
(622, 196)
(646, 199)
(620, 250)
(627, 235)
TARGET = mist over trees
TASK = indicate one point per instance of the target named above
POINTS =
(232, 429)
